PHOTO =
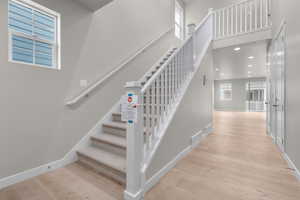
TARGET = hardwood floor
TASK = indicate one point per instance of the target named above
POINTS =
(237, 162)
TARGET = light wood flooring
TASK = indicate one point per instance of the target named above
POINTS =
(237, 162)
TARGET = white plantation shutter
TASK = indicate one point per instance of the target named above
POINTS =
(33, 35)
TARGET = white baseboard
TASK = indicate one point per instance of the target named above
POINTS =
(292, 165)
(196, 139)
(155, 179)
(17, 178)
(130, 196)
(69, 158)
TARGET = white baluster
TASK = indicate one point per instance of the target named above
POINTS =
(223, 22)
(255, 13)
(246, 16)
(261, 14)
(227, 20)
(215, 24)
(231, 21)
(251, 7)
(267, 13)
(241, 18)
(236, 20)
(219, 13)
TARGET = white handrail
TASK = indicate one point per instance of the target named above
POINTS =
(150, 81)
(90, 88)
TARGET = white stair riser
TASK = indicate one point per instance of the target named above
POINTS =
(114, 131)
(117, 118)
(110, 148)
(118, 176)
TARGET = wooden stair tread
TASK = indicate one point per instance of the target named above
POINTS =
(111, 139)
(106, 158)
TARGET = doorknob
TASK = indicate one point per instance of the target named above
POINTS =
(275, 105)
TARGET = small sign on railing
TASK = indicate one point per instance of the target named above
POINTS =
(129, 108)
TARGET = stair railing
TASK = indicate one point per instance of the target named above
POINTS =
(242, 18)
(157, 101)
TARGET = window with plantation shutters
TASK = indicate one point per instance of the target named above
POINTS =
(33, 31)
(226, 92)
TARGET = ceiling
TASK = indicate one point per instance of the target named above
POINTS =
(231, 64)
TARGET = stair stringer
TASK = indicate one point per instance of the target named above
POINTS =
(163, 130)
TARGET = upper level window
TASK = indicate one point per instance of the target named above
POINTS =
(179, 21)
(226, 92)
(33, 34)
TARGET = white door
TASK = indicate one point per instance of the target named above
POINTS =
(277, 90)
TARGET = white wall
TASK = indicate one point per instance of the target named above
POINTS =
(193, 114)
(289, 10)
(197, 9)
(35, 125)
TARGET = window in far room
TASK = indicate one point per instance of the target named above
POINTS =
(179, 20)
(226, 92)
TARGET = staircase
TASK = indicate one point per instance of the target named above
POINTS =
(124, 149)
(106, 153)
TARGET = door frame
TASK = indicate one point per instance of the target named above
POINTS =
(281, 33)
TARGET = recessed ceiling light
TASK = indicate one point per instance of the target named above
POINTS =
(217, 69)
(251, 57)
(250, 65)
(237, 48)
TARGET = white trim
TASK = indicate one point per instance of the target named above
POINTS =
(73, 100)
(149, 72)
(22, 176)
(69, 158)
(156, 178)
(56, 45)
(43, 9)
(198, 137)
(292, 165)
(129, 196)
(281, 27)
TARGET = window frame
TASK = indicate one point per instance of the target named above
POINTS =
(56, 61)
(181, 14)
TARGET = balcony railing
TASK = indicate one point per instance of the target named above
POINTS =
(242, 18)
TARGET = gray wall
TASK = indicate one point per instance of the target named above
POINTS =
(35, 125)
(197, 9)
(239, 95)
(289, 10)
(194, 113)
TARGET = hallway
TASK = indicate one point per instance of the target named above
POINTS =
(237, 162)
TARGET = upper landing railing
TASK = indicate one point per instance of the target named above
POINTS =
(242, 18)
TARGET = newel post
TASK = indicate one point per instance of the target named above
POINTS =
(135, 147)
